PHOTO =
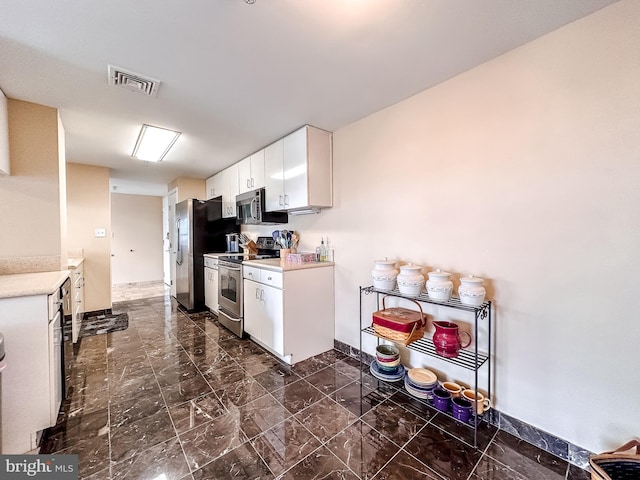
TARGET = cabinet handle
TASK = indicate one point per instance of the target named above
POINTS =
(286, 199)
(248, 183)
(252, 184)
(281, 202)
(257, 294)
(269, 278)
(261, 295)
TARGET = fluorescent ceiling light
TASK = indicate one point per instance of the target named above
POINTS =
(154, 143)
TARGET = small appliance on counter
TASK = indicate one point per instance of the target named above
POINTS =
(230, 299)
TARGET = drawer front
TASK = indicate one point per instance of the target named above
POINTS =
(210, 262)
(269, 277)
(252, 273)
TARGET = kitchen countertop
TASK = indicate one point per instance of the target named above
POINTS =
(27, 284)
(276, 265)
(74, 262)
(221, 254)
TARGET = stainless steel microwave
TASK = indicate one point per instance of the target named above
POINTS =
(250, 210)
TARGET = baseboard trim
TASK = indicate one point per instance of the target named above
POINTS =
(567, 451)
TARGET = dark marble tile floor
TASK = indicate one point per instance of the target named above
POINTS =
(177, 397)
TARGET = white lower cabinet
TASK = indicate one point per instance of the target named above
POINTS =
(27, 403)
(77, 299)
(263, 315)
(211, 289)
(290, 313)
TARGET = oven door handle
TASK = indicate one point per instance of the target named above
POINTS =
(235, 269)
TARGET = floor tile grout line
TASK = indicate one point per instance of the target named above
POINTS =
(166, 406)
(419, 460)
(112, 463)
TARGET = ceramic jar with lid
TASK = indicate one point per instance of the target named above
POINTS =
(384, 274)
(439, 287)
(410, 280)
(471, 291)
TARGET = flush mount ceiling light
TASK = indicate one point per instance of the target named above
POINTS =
(250, 2)
(154, 143)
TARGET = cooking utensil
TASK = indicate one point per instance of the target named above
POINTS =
(295, 238)
(276, 236)
(244, 239)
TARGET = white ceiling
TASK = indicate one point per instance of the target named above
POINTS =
(235, 76)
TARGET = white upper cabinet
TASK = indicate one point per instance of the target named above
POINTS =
(224, 184)
(273, 178)
(251, 172)
(214, 186)
(298, 171)
(230, 191)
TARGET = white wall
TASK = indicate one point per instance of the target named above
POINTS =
(136, 221)
(525, 171)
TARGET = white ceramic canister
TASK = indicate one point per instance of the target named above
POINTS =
(439, 287)
(384, 274)
(410, 280)
(471, 291)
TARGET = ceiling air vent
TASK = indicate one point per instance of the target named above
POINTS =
(133, 81)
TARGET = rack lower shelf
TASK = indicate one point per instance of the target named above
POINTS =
(473, 421)
(464, 359)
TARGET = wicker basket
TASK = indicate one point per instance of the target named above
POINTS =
(400, 325)
(620, 464)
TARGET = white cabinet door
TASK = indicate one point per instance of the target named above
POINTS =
(211, 289)
(273, 327)
(209, 186)
(251, 172)
(244, 175)
(257, 170)
(253, 310)
(273, 177)
(230, 191)
(296, 193)
(77, 299)
(218, 185)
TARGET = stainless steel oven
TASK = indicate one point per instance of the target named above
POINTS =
(230, 294)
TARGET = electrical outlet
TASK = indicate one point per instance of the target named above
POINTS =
(101, 232)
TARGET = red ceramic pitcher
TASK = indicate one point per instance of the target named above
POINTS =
(447, 339)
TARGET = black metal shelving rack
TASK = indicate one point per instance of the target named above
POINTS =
(468, 359)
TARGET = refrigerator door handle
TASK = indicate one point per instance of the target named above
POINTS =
(179, 252)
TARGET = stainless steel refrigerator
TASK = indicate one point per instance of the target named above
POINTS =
(200, 229)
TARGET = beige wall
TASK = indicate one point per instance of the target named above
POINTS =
(188, 188)
(137, 238)
(524, 171)
(89, 207)
(30, 198)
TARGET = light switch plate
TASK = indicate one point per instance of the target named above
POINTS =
(101, 232)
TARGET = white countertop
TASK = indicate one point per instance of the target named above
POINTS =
(74, 262)
(27, 284)
(221, 254)
(278, 266)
